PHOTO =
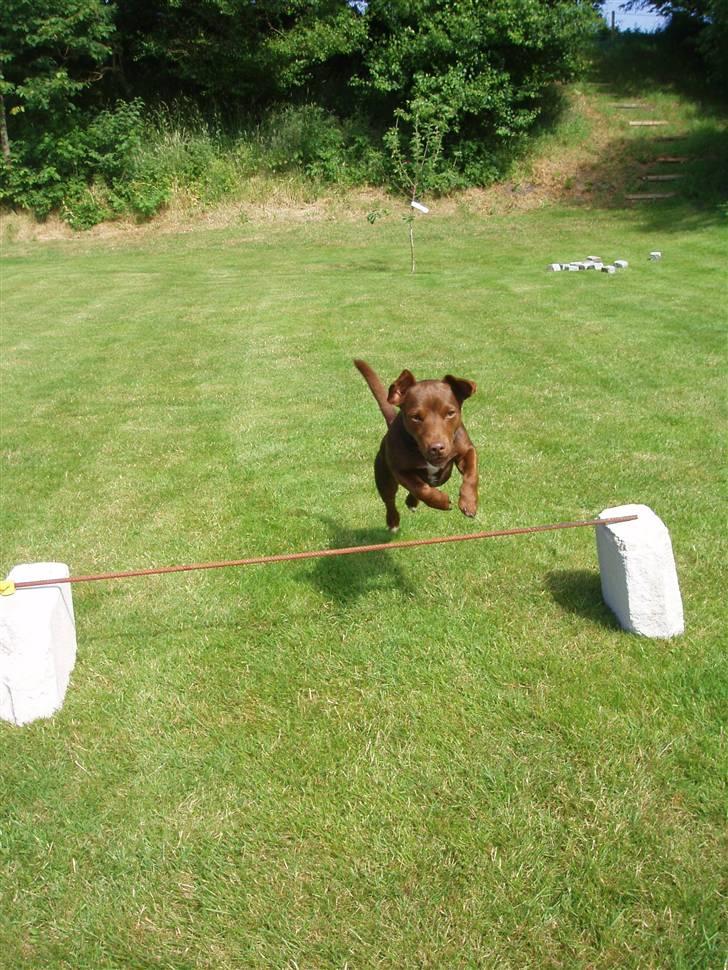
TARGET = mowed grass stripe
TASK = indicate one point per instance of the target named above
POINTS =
(447, 756)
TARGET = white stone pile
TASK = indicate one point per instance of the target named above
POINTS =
(591, 262)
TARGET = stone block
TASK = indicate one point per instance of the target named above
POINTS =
(37, 644)
(621, 263)
(638, 574)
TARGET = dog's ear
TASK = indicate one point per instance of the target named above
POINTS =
(400, 387)
(461, 388)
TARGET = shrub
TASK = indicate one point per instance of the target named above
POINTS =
(82, 168)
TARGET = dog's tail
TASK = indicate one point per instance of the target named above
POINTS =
(378, 390)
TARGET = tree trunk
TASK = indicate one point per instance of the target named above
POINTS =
(4, 140)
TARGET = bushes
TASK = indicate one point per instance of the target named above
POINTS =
(308, 139)
(713, 42)
(325, 81)
(84, 168)
(125, 161)
(130, 162)
(332, 90)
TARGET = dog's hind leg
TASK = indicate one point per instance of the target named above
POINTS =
(411, 502)
(387, 488)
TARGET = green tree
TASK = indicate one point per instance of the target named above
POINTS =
(50, 52)
(707, 20)
(714, 40)
(237, 53)
(478, 70)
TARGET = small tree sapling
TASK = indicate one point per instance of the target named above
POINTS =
(414, 164)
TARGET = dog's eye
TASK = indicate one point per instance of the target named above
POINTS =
(416, 418)
(452, 413)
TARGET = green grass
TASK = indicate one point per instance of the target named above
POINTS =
(442, 757)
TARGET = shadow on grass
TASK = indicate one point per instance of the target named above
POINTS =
(701, 187)
(579, 591)
(344, 579)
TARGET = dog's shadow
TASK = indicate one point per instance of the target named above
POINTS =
(345, 578)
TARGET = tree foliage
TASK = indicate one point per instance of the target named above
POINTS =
(52, 55)
(51, 50)
(477, 71)
(705, 22)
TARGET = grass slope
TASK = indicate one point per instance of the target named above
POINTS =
(447, 757)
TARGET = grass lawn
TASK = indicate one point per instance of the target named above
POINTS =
(442, 757)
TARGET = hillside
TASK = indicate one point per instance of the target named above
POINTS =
(619, 139)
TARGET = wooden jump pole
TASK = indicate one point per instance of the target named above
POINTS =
(320, 553)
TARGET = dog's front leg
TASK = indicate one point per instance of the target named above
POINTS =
(424, 492)
(468, 468)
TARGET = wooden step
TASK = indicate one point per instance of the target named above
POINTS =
(631, 107)
(650, 196)
(673, 159)
(647, 124)
(660, 178)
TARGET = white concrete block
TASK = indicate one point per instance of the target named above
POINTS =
(639, 579)
(37, 644)
(655, 255)
(609, 269)
(621, 263)
(554, 267)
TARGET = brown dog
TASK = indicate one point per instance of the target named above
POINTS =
(424, 439)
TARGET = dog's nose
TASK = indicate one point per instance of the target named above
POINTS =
(436, 450)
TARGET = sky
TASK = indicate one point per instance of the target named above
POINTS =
(644, 19)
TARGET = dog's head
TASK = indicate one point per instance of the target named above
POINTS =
(431, 412)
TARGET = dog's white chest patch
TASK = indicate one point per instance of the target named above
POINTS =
(433, 473)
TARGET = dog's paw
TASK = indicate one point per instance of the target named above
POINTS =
(468, 507)
(411, 502)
